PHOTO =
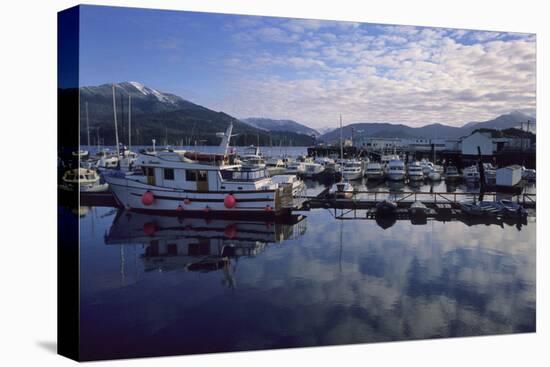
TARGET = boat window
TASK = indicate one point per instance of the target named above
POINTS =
(190, 175)
(169, 174)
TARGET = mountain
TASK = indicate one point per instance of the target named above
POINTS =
(386, 130)
(506, 121)
(280, 125)
(165, 117)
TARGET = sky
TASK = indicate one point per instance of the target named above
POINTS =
(311, 71)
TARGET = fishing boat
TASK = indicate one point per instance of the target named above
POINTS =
(451, 174)
(434, 174)
(415, 171)
(298, 186)
(470, 175)
(82, 180)
(180, 181)
(396, 170)
(295, 168)
(374, 171)
(490, 173)
(312, 169)
(275, 166)
(251, 158)
(352, 170)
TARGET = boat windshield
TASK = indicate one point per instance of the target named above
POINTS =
(243, 175)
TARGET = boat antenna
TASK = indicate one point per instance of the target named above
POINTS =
(116, 127)
(129, 122)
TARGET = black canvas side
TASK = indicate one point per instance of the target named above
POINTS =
(68, 202)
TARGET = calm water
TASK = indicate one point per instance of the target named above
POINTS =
(158, 285)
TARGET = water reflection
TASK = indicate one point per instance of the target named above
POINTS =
(194, 286)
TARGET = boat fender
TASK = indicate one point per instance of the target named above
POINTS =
(147, 198)
(149, 228)
(206, 209)
(268, 208)
(230, 231)
(229, 201)
(180, 208)
(187, 201)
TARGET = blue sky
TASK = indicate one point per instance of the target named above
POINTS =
(310, 70)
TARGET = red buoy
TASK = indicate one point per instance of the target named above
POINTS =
(229, 201)
(147, 198)
(149, 228)
(230, 231)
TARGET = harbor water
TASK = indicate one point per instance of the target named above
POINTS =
(153, 285)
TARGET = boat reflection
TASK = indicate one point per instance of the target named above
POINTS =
(198, 244)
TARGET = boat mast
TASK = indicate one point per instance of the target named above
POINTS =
(116, 127)
(341, 142)
(129, 122)
(87, 124)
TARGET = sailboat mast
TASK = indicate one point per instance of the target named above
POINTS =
(87, 124)
(129, 122)
(116, 127)
(341, 141)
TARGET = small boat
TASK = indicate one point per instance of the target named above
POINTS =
(511, 209)
(490, 173)
(434, 174)
(386, 207)
(451, 174)
(427, 166)
(374, 171)
(295, 168)
(481, 208)
(415, 171)
(82, 180)
(297, 185)
(342, 189)
(312, 169)
(471, 175)
(352, 170)
(396, 170)
(275, 166)
(418, 209)
(251, 158)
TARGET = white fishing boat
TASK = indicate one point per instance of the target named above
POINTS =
(434, 174)
(295, 168)
(490, 173)
(312, 169)
(427, 166)
(470, 175)
(251, 158)
(342, 189)
(82, 180)
(414, 171)
(374, 171)
(275, 166)
(396, 170)
(298, 186)
(352, 170)
(178, 182)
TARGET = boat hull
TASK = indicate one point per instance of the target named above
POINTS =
(129, 193)
(396, 176)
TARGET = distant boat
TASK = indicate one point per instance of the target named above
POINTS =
(82, 180)
(342, 189)
(451, 174)
(374, 171)
(415, 172)
(471, 175)
(352, 170)
(396, 170)
(251, 158)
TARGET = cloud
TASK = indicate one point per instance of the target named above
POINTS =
(401, 74)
